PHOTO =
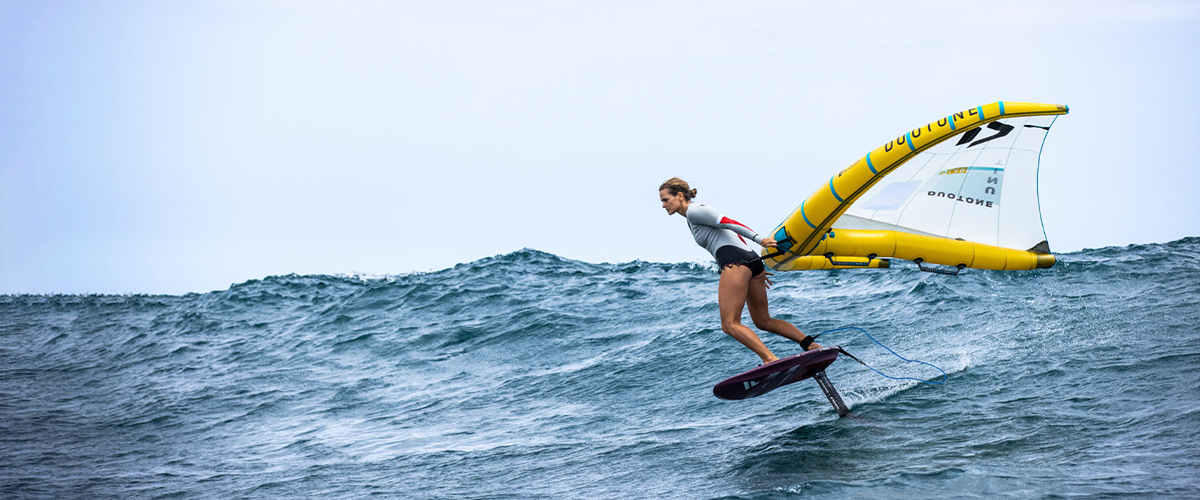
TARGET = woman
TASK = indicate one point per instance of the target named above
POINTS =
(743, 276)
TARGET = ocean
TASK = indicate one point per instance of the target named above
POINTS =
(529, 375)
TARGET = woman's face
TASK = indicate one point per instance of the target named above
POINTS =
(671, 203)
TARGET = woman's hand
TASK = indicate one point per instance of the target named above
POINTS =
(765, 276)
(768, 242)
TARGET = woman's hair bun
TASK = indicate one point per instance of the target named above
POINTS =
(676, 186)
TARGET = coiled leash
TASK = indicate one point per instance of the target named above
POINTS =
(843, 351)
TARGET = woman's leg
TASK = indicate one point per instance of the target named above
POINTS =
(756, 299)
(731, 298)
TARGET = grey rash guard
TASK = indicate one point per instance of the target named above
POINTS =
(713, 231)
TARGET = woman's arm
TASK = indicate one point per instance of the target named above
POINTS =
(706, 216)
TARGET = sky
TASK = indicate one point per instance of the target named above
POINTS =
(184, 146)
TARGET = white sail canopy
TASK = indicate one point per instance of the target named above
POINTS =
(979, 186)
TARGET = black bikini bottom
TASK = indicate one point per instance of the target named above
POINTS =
(730, 255)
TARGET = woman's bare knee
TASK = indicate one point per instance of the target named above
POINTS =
(728, 327)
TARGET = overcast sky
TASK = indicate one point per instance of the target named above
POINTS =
(182, 146)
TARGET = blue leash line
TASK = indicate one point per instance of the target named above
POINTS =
(888, 350)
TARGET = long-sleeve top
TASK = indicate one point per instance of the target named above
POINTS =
(713, 230)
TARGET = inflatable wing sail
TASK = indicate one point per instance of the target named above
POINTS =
(960, 192)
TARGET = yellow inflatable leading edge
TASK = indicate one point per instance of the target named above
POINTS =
(808, 240)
